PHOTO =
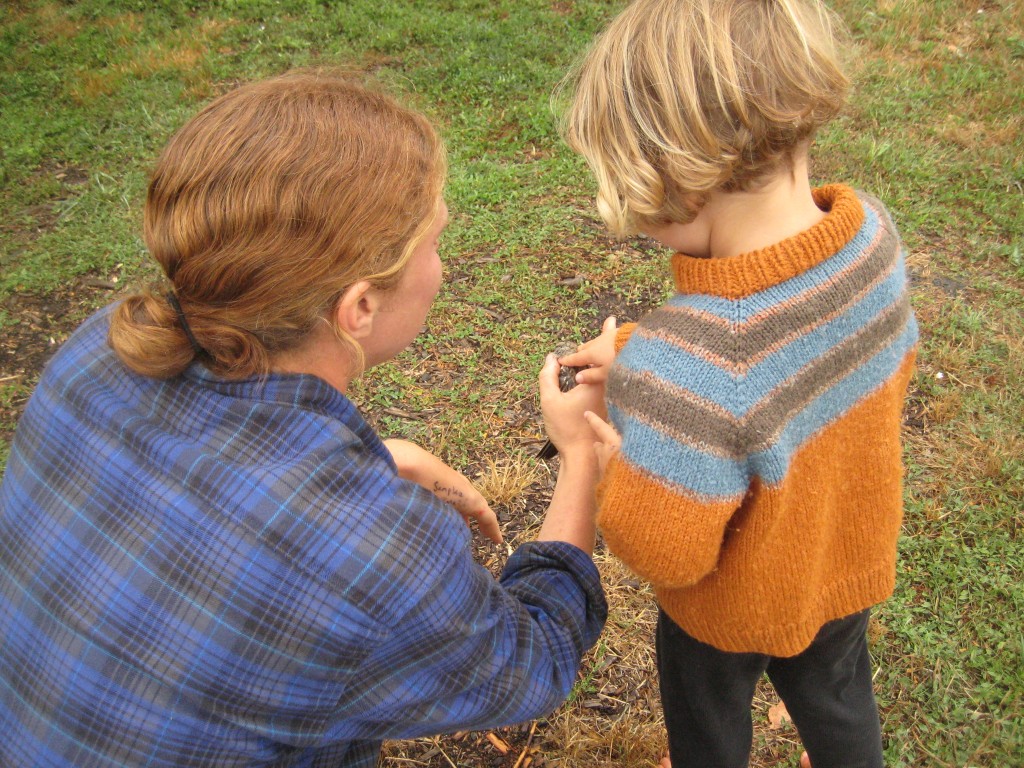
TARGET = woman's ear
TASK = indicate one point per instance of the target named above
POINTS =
(357, 308)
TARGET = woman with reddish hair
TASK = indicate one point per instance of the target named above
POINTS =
(207, 556)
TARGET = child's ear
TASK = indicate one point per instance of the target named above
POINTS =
(357, 308)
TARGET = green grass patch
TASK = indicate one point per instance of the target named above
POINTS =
(91, 90)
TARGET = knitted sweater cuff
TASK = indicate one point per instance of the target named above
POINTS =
(622, 335)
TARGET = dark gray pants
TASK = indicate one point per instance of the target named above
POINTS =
(706, 695)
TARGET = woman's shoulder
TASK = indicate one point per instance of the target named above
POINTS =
(86, 346)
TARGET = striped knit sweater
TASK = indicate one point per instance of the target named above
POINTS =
(759, 484)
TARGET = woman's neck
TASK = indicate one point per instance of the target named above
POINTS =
(322, 355)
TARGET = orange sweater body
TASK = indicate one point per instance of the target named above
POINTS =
(759, 485)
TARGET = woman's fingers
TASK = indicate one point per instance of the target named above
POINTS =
(487, 521)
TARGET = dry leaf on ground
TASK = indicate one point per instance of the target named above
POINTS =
(778, 716)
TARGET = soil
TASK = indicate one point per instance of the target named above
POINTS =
(43, 323)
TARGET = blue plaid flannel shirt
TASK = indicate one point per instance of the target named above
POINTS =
(199, 572)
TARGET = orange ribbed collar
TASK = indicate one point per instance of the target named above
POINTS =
(734, 277)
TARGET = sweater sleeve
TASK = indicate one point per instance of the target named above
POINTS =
(622, 335)
(665, 535)
(668, 496)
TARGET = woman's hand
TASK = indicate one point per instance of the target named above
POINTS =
(572, 512)
(594, 356)
(425, 469)
(563, 411)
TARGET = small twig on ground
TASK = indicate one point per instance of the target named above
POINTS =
(526, 749)
(444, 754)
(498, 743)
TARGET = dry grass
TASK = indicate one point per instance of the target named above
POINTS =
(613, 717)
(503, 482)
(183, 56)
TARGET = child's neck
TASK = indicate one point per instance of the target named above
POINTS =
(741, 222)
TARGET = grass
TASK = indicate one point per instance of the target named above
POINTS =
(90, 91)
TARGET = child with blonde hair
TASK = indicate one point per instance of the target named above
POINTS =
(754, 472)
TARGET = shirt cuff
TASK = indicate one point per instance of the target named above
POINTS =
(560, 556)
(622, 335)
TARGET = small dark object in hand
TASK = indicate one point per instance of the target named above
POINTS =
(566, 381)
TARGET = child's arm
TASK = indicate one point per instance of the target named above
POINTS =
(667, 538)
(425, 469)
(609, 441)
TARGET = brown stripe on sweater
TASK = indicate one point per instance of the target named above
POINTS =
(693, 420)
(702, 423)
(689, 333)
(715, 339)
(769, 416)
(880, 210)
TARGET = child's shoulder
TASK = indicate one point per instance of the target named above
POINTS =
(874, 205)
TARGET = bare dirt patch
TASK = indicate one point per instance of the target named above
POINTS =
(41, 324)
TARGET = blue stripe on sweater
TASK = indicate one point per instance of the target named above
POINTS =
(773, 463)
(655, 452)
(703, 378)
(806, 348)
(678, 367)
(688, 466)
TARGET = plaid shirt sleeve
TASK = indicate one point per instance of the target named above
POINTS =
(201, 572)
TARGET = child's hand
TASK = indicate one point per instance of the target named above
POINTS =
(594, 356)
(425, 469)
(609, 441)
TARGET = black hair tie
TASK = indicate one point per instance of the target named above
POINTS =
(172, 299)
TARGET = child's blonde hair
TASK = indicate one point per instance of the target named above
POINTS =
(264, 208)
(681, 97)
